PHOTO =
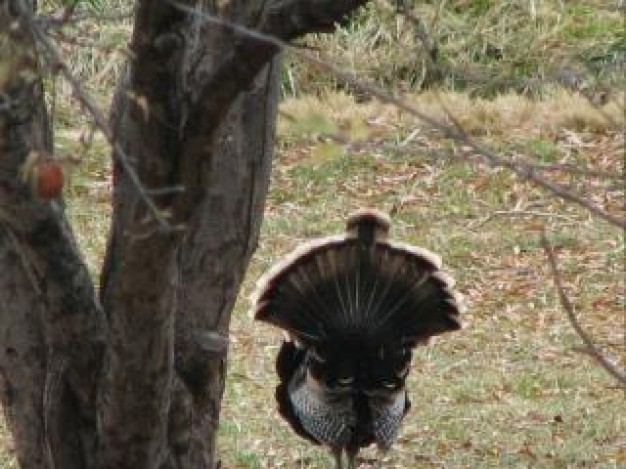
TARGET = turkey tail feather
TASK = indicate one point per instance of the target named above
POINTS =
(359, 282)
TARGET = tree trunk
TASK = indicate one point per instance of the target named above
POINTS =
(135, 379)
(51, 326)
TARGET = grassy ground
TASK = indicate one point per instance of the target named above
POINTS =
(510, 390)
(513, 388)
(483, 47)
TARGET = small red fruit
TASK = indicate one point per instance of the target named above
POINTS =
(47, 179)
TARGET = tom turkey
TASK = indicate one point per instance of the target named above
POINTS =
(353, 307)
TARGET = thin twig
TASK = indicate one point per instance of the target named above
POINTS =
(593, 349)
(455, 132)
(527, 171)
(573, 169)
(57, 63)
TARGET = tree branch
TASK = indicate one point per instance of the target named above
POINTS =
(528, 171)
(56, 62)
(593, 349)
(283, 20)
(454, 131)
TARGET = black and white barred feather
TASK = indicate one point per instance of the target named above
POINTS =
(354, 306)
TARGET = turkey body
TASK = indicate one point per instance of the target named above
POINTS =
(353, 307)
(342, 412)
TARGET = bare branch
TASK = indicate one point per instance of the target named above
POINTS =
(455, 131)
(527, 171)
(593, 349)
(280, 21)
(573, 169)
(57, 63)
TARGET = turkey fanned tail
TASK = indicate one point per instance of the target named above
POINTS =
(359, 282)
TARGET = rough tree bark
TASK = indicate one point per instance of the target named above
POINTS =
(134, 378)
